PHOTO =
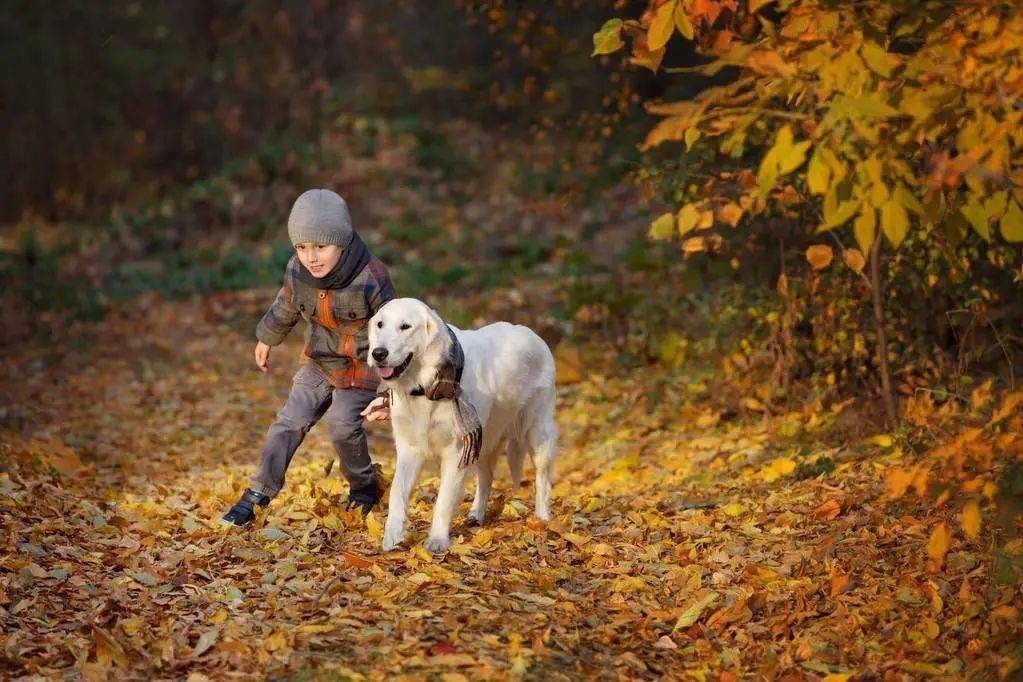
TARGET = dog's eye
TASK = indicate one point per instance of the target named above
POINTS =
(380, 324)
(406, 326)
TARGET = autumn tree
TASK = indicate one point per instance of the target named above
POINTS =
(866, 121)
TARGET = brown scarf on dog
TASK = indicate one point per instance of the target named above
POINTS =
(446, 386)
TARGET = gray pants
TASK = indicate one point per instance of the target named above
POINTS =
(311, 398)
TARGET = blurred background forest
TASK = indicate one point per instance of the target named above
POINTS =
(158, 147)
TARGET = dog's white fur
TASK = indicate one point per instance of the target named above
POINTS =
(509, 378)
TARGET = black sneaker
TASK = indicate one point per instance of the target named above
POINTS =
(364, 498)
(243, 511)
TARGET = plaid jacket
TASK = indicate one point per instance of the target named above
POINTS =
(337, 340)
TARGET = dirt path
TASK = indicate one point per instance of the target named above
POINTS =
(684, 544)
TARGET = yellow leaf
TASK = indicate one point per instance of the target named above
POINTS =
(882, 440)
(648, 59)
(818, 175)
(315, 628)
(668, 130)
(1012, 223)
(894, 221)
(969, 520)
(767, 175)
(276, 641)
(609, 38)
(688, 218)
(836, 209)
(778, 468)
(793, 157)
(682, 22)
(854, 259)
(576, 539)
(755, 5)
(978, 217)
(897, 481)
(989, 491)
(331, 485)
(733, 509)
(376, 532)
(694, 245)
(731, 214)
(876, 58)
(1009, 403)
(938, 544)
(819, 256)
(663, 227)
(662, 25)
(864, 228)
(694, 610)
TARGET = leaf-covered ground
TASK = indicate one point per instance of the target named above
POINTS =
(686, 542)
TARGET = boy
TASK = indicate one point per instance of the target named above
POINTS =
(335, 284)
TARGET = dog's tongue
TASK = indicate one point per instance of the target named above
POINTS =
(385, 372)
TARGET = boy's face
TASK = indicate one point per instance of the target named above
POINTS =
(319, 259)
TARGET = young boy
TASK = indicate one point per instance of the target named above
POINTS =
(335, 284)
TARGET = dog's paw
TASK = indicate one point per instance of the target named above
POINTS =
(475, 517)
(392, 538)
(436, 545)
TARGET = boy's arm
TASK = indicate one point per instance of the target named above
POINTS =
(280, 318)
(383, 289)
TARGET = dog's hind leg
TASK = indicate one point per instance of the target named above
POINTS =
(543, 460)
(541, 436)
(449, 496)
(516, 457)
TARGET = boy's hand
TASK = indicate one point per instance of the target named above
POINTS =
(378, 410)
(262, 356)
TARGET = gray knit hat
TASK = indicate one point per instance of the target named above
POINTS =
(320, 216)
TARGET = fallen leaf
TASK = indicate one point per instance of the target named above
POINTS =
(828, 510)
(206, 640)
(692, 612)
(665, 642)
(969, 520)
(938, 543)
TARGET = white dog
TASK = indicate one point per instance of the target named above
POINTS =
(443, 382)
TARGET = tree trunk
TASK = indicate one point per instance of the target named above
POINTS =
(882, 340)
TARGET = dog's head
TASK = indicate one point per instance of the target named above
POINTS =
(404, 333)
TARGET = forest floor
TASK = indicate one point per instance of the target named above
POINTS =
(686, 542)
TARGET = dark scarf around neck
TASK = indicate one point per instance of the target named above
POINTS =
(354, 256)
(447, 386)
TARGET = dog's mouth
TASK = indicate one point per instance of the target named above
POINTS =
(389, 373)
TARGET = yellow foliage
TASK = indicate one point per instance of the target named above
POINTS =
(969, 520)
(819, 256)
(938, 543)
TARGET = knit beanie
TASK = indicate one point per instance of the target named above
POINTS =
(320, 216)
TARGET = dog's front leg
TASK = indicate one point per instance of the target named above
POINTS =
(448, 498)
(406, 472)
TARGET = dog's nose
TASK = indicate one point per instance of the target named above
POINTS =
(379, 354)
